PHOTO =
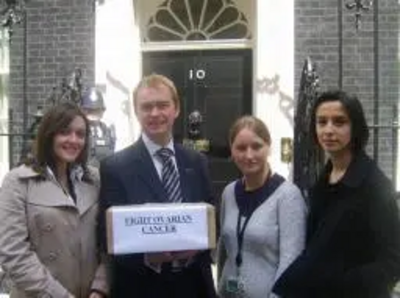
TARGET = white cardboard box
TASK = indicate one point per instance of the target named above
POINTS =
(160, 227)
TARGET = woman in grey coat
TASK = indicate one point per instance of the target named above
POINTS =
(262, 217)
(48, 211)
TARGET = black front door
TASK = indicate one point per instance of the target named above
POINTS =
(218, 84)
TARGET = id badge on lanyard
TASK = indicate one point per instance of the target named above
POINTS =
(234, 285)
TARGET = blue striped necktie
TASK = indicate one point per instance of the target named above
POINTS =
(169, 175)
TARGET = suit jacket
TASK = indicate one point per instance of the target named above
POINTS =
(353, 238)
(48, 244)
(130, 177)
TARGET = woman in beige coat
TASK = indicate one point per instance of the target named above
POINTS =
(48, 212)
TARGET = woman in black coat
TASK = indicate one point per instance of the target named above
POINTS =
(353, 232)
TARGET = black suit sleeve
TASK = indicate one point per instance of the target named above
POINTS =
(112, 192)
(205, 173)
(205, 256)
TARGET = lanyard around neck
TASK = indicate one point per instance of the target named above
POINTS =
(272, 183)
(240, 234)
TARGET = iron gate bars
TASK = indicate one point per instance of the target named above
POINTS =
(307, 157)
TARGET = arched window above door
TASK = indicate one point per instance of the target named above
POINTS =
(184, 20)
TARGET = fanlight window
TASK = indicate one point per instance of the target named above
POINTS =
(179, 20)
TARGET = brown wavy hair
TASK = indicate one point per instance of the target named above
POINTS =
(54, 121)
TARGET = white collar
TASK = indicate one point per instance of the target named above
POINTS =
(153, 147)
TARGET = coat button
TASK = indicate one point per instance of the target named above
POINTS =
(48, 227)
(52, 256)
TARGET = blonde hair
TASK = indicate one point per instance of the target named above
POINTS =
(254, 124)
(156, 80)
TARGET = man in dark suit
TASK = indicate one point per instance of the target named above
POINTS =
(133, 176)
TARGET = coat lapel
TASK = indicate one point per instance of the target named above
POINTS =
(87, 196)
(47, 192)
(147, 172)
(186, 173)
(44, 191)
(143, 165)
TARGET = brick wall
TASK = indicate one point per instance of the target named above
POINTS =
(317, 34)
(59, 38)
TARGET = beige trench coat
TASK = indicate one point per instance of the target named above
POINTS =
(47, 242)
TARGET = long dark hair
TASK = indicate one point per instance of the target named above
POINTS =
(54, 121)
(354, 109)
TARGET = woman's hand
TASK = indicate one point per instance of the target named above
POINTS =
(96, 295)
(184, 255)
(159, 257)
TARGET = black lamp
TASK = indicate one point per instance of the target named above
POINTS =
(359, 7)
(12, 14)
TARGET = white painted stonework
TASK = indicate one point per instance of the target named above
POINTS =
(274, 58)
